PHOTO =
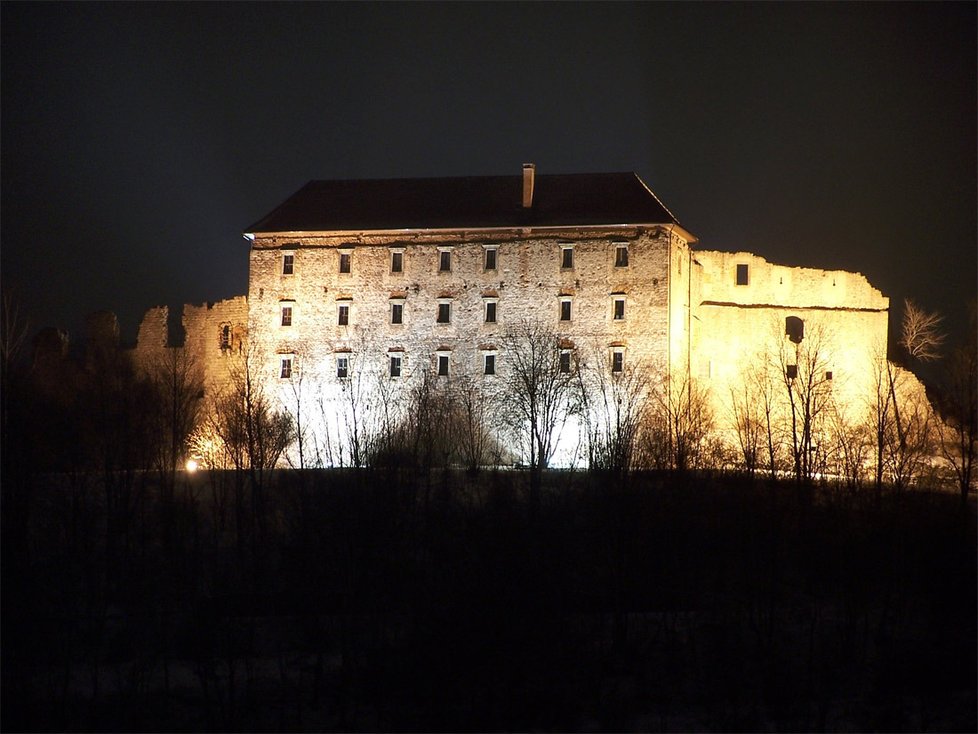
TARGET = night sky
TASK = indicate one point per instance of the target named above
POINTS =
(139, 140)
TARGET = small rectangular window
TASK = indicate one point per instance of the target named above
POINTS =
(621, 256)
(395, 365)
(743, 274)
(342, 367)
(397, 313)
(617, 361)
(343, 315)
(791, 371)
(225, 336)
(619, 310)
(443, 365)
(490, 364)
(566, 257)
(490, 258)
(828, 374)
(344, 262)
(490, 312)
(565, 310)
(444, 313)
(397, 262)
(286, 370)
(288, 264)
(445, 261)
(565, 362)
(286, 315)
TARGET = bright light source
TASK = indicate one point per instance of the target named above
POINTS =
(191, 465)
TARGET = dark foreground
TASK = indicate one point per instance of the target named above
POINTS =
(368, 601)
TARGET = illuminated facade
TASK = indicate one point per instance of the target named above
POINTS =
(387, 280)
(359, 290)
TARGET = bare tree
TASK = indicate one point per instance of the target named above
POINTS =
(677, 424)
(910, 436)
(852, 444)
(958, 431)
(881, 409)
(801, 360)
(613, 406)
(690, 420)
(762, 386)
(178, 385)
(475, 406)
(254, 434)
(296, 410)
(748, 407)
(920, 334)
(541, 391)
(430, 420)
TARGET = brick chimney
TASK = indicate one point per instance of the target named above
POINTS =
(529, 173)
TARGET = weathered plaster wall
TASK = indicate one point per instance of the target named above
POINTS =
(740, 329)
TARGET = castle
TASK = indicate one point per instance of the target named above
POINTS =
(406, 279)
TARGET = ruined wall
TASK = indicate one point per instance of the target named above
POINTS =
(213, 334)
(739, 329)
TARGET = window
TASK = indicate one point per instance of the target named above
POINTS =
(490, 312)
(443, 365)
(566, 257)
(489, 261)
(618, 312)
(397, 313)
(395, 365)
(444, 261)
(343, 314)
(286, 315)
(225, 336)
(828, 374)
(444, 312)
(397, 261)
(342, 366)
(565, 362)
(565, 309)
(344, 262)
(489, 364)
(617, 360)
(794, 329)
(286, 369)
(621, 256)
(288, 264)
(743, 274)
(791, 371)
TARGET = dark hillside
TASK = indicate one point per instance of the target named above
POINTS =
(382, 601)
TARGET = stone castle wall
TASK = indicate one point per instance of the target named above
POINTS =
(740, 330)
(528, 283)
(681, 307)
(213, 334)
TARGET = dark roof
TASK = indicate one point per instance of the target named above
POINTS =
(470, 202)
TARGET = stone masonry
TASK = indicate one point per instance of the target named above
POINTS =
(337, 288)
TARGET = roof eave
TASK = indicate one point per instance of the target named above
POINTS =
(674, 226)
